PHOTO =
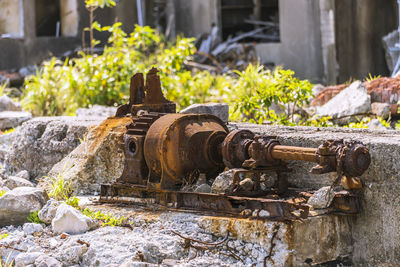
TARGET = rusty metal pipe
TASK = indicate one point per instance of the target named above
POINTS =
(294, 153)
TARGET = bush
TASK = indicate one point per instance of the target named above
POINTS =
(59, 88)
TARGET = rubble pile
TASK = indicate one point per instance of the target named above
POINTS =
(384, 90)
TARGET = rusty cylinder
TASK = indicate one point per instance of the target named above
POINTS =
(178, 144)
(294, 153)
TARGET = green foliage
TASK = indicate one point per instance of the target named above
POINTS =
(2, 192)
(60, 189)
(361, 124)
(260, 89)
(371, 77)
(104, 218)
(7, 263)
(9, 131)
(4, 236)
(72, 201)
(2, 89)
(99, 3)
(34, 218)
(59, 88)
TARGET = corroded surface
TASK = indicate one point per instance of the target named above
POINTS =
(318, 239)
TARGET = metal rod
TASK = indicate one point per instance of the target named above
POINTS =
(294, 153)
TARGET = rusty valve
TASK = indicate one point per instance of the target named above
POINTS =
(243, 149)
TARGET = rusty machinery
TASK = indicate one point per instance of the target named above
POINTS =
(164, 150)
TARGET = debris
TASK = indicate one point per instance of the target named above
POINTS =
(12, 119)
(322, 198)
(272, 245)
(17, 204)
(31, 228)
(191, 243)
(48, 212)
(352, 101)
(27, 258)
(223, 183)
(375, 124)
(64, 235)
(47, 261)
(83, 242)
(247, 184)
(221, 110)
(7, 104)
(71, 221)
(203, 188)
(42, 142)
(14, 182)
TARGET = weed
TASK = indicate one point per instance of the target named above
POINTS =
(2, 89)
(7, 263)
(73, 202)
(2, 192)
(4, 236)
(34, 218)
(59, 188)
(361, 124)
(9, 131)
(371, 78)
(104, 218)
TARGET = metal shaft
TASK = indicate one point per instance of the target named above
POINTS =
(294, 153)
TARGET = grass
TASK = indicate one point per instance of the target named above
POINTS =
(60, 189)
(7, 263)
(34, 218)
(9, 131)
(4, 236)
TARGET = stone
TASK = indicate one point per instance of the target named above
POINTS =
(98, 159)
(47, 261)
(48, 212)
(96, 111)
(23, 174)
(42, 142)
(17, 204)
(7, 104)
(221, 110)
(381, 110)
(318, 88)
(322, 198)
(223, 183)
(70, 220)
(375, 124)
(31, 228)
(71, 252)
(24, 259)
(203, 188)
(14, 182)
(352, 101)
(247, 184)
(12, 119)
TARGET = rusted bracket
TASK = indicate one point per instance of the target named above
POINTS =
(147, 97)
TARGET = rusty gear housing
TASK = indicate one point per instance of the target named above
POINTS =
(165, 151)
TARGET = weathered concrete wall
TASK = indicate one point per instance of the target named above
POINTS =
(31, 49)
(195, 17)
(301, 48)
(10, 21)
(360, 26)
(375, 234)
